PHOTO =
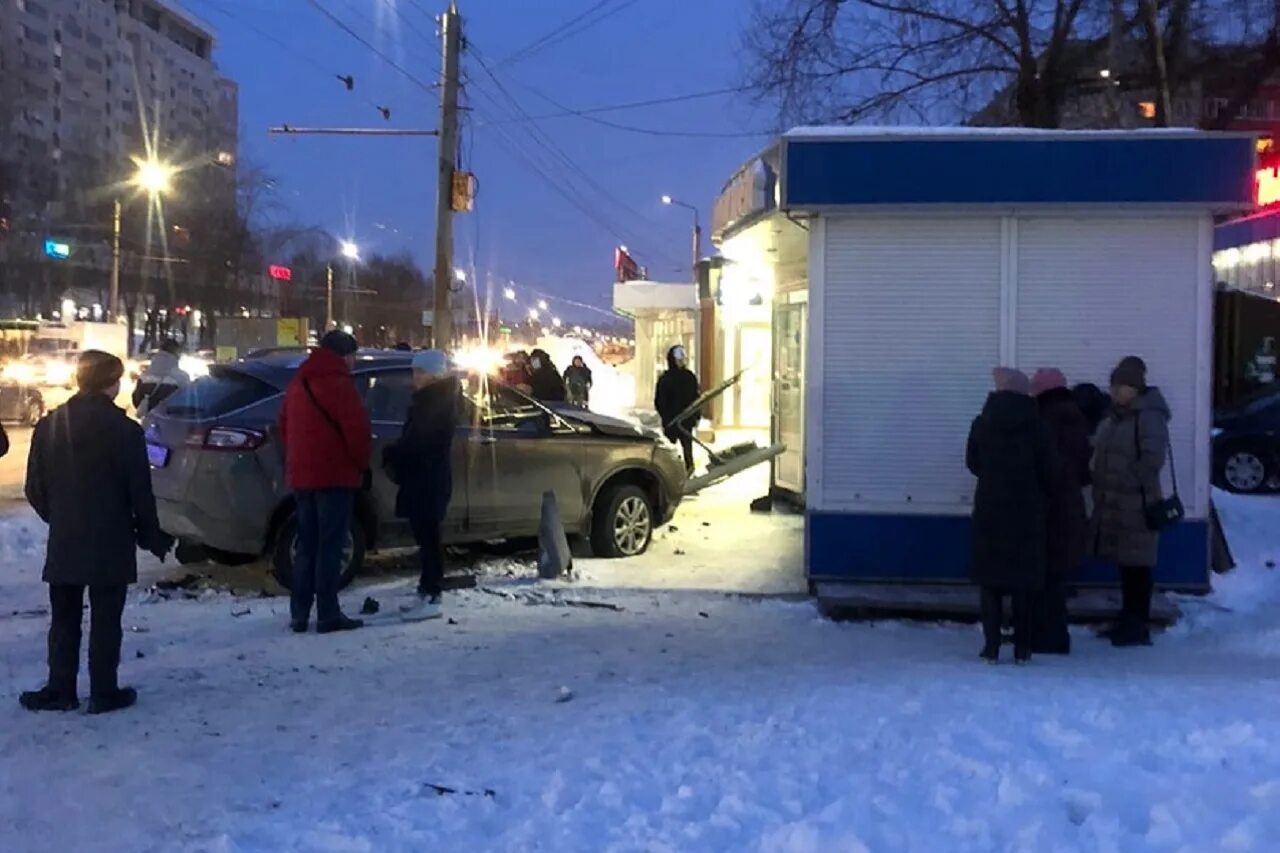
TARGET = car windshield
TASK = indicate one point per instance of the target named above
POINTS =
(221, 392)
(499, 407)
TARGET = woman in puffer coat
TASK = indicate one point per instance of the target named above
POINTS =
(1129, 453)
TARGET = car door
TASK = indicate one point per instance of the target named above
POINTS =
(387, 395)
(518, 450)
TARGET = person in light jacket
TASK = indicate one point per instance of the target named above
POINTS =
(89, 479)
(1009, 452)
(1130, 450)
(162, 378)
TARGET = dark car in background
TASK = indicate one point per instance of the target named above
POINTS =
(1246, 443)
(20, 403)
(217, 466)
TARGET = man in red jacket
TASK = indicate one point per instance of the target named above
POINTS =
(327, 443)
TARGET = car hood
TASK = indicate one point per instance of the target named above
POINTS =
(603, 423)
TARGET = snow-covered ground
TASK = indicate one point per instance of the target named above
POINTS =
(677, 721)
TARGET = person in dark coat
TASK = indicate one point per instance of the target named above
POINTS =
(1008, 451)
(544, 378)
(1130, 451)
(421, 464)
(577, 379)
(327, 443)
(1093, 403)
(89, 479)
(677, 390)
(1066, 519)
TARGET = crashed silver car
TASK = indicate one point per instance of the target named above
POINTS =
(217, 466)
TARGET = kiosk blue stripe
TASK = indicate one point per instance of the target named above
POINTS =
(1202, 170)
(935, 549)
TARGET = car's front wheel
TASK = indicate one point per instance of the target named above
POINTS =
(622, 525)
(286, 548)
(1244, 471)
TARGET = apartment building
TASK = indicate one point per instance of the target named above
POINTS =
(83, 84)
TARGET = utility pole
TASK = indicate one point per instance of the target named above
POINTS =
(114, 301)
(451, 39)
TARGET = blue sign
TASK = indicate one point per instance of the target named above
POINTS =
(57, 250)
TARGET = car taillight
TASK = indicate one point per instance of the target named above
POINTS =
(226, 438)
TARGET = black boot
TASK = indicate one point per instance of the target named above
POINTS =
(299, 626)
(48, 699)
(342, 623)
(1022, 654)
(1131, 633)
(990, 653)
(118, 700)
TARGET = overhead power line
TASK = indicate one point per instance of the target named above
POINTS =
(579, 23)
(648, 131)
(346, 28)
(635, 105)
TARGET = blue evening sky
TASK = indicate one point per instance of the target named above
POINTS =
(285, 55)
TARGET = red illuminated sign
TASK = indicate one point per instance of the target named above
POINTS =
(280, 273)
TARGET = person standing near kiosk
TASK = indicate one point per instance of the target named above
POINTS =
(678, 390)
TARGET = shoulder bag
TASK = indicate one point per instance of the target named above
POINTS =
(366, 482)
(1168, 511)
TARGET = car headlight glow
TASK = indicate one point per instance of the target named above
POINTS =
(58, 373)
(20, 371)
(194, 366)
(483, 360)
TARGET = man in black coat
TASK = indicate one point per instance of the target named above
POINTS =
(421, 463)
(88, 478)
(545, 379)
(1009, 453)
(678, 390)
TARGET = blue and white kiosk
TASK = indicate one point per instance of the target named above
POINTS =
(934, 255)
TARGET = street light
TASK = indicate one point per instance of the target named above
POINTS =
(555, 321)
(697, 232)
(460, 274)
(533, 313)
(542, 303)
(510, 293)
(153, 177)
(349, 250)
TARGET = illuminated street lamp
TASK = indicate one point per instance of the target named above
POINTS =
(510, 293)
(697, 231)
(153, 177)
(460, 274)
(555, 321)
(542, 303)
(349, 250)
(533, 313)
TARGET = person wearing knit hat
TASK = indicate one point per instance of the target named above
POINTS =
(1008, 451)
(421, 464)
(1066, 519)
(1130, 452)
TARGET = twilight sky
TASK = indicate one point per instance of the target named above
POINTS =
(599, 186)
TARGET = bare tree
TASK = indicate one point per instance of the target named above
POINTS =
(928, 60)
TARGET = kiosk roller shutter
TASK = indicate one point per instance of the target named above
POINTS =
(911, 330)
(1092, 290)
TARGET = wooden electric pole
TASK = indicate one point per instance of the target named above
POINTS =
(451, 39)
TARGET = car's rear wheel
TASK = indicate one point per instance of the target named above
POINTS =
(1244, 471)
(353, 552)
(622, 525)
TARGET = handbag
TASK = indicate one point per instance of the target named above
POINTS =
(1168, 511)
(366, 481)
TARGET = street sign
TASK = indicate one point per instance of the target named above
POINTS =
(280, 273)
(428, 318)
(57, 249)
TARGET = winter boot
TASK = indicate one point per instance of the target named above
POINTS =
(1130, 633)
(1022, 655)
(421, 608)
(124, 697)
(48, 699)
(299, 626)
(990, 653)
(342, 623)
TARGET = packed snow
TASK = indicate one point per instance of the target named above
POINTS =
(567, 717)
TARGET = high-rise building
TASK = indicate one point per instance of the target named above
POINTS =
(84, 86)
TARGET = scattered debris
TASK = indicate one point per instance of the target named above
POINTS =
(706, 524)
(680, 552)
(34, 613)
(704, 614)
(139, 629)
(549, 597)
(445, 790)
(370, 606)
(565, 695)
(187, 581)
(1271, 564)
(452, 621)
(139, 654)
(238, 613)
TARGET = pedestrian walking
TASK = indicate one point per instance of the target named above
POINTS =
(1008, 451)
(162, 378)
(577, 380)
(327, 444)
(1066, 522)
(545, 381)
(88, 478)
(421, 464)
(1129, 454)
(676, 391)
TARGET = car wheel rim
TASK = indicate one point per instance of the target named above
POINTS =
(348, 552)
(1245, 472)
(631, 526)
